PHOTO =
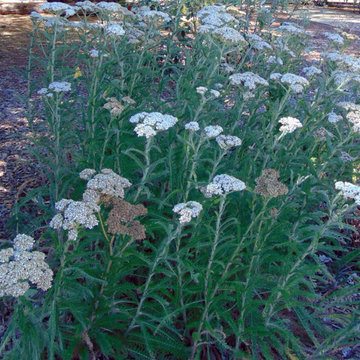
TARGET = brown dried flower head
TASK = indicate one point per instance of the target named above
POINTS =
(268, 184)
(121, 218)
(114, 106)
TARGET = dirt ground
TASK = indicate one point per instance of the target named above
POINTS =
(18, 171)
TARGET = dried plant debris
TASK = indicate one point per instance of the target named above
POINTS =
(121, 218)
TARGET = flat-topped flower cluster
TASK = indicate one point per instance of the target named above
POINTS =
(20, 267)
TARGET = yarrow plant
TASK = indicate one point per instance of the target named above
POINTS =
(215, 210)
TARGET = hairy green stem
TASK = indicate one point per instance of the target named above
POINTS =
(207, 297)
(159, 257)
(147, 168)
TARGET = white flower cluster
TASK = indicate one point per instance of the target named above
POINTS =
(115, 29)
(60, 86)
(87, 6)
(56, 87)
(257, 42)
(109, 6)
(229, 34)
(187, 211)
(341, 77)
(213, 131)
(108, 183)
(74, 214)
(354, 118)
(289, 124)
(336, 38)
(58, 8)
(248, 79)
(148, 124)
(36, 16)
(215, 15)
(102, 6)
(145, 13)
(349, 106)
(349, 190)
(296, 82)
(223, 184)
(226, 32)
(19, 265)
(311, 71)
(228, 141)
(192, 126)
(216, 20)
(134, 35)
(334, 118)
(354, 115)
(293, 29)
(352, 62)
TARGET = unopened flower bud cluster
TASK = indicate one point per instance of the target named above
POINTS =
(19, 266)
